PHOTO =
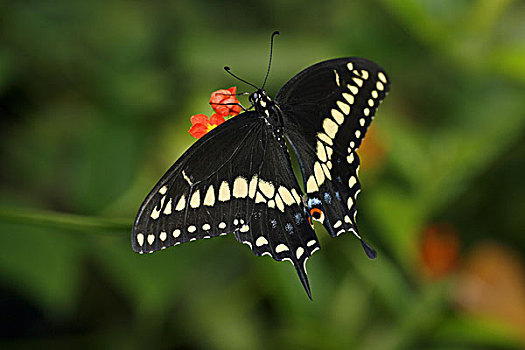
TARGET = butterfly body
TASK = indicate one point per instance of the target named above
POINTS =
(238, 178)
(267, 109)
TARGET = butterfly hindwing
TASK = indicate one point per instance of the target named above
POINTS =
(285, 232)
(236, 179)
(327, 109)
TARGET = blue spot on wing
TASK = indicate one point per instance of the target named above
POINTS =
(313, 201)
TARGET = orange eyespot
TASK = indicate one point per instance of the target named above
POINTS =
(317, 214)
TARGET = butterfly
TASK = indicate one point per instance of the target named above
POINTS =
(238, 178)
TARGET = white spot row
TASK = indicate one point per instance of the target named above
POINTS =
(266, 192)
(261, 190)
(361, 73)
(281, 247)
(191, 229)
(366, 111)
(155, 213)
(331, 127)
(321, 171)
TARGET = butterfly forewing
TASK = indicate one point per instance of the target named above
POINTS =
(327, 109)
(236, 179)
(191, 185)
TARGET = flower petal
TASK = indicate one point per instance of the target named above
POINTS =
(198, 130)
(233, 90)
(199, 119)
(234, 110)
(216, 119)
(224, 102)
(229, 100)
(219, 95)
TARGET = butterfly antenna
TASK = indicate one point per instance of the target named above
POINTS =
(270, 61)
(227, 69)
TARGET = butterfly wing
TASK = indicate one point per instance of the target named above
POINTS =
(327, 109)
(236, 179)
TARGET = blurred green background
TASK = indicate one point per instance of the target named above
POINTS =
(95, 100)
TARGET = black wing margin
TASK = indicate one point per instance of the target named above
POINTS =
(327, 109)
(236, 179)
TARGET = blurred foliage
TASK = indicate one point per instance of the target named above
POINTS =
(95, 99)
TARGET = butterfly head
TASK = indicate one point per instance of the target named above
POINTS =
(260, 100)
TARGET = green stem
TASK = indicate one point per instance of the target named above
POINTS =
(63, 221)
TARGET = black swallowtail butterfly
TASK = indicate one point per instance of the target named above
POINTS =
(238, 178)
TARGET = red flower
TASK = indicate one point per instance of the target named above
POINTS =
(225, 103)
(201, 125)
